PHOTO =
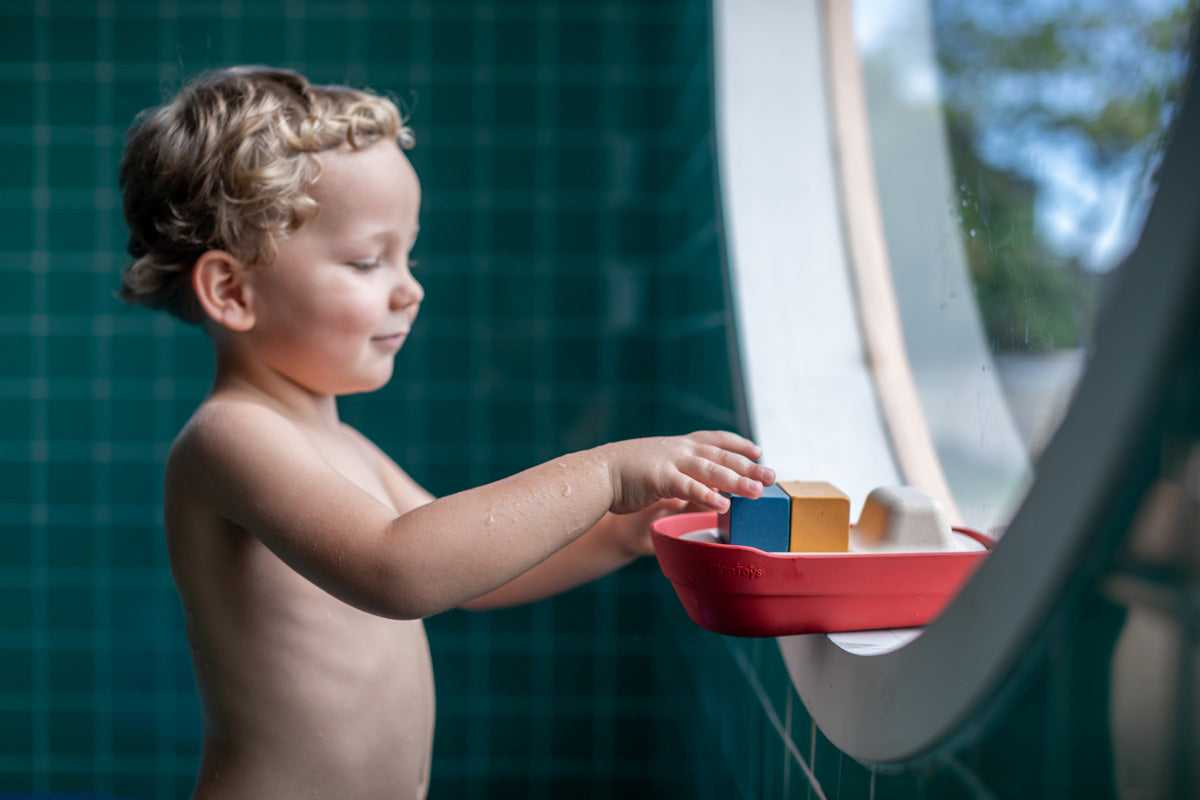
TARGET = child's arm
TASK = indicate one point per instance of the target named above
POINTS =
(259, 472)
(613, 542)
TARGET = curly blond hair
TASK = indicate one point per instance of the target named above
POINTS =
(227, 165)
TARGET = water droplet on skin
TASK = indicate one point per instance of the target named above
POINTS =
(489, 520)
(566, 492)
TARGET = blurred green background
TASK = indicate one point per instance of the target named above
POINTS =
(570, 255)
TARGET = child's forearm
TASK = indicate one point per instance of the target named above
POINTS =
(593, 555)
(471, 543)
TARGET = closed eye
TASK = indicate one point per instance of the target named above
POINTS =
(364, 266)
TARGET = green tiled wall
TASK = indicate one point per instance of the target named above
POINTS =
(540, 128)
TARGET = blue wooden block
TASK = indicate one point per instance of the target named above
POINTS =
(764, 523)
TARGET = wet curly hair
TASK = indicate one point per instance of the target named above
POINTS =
(227, 165)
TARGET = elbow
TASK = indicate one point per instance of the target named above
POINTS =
(483, 603)
(411, 603)
(408, 605)
(400, 589)
(399, 610)
(391, 602)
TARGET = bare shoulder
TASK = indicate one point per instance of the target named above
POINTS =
(232, 424)
(231, 450)
(246, 467)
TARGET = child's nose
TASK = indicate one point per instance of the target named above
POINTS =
(407, 292)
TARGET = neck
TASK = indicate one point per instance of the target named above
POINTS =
(238, 380)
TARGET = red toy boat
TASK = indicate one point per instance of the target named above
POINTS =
(744, 591)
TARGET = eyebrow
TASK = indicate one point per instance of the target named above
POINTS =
(382, 233)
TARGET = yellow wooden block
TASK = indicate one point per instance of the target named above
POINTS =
(820, 517)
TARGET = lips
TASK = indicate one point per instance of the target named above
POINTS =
(391, 339)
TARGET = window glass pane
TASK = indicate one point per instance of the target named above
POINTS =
(1015, 150)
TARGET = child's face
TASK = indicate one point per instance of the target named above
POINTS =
(338, 302)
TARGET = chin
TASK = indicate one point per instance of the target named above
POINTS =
(347, 391)
(377, 383)
(360, 384)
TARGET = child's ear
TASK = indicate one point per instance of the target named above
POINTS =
(219, 281)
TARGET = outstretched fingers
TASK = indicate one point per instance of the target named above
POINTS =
(715, 469)
(697, 493)
(731, 442)
(724, 464)
(708, 470)
(701, 468)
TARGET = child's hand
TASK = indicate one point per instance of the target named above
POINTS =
(631, 532)
(695, 468)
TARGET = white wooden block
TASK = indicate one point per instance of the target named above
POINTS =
(903, 519)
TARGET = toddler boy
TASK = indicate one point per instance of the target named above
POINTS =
(279, 216)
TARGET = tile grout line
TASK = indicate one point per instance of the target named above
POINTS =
(40, 746)
(104, 759)
(752, 678)
(969, 778)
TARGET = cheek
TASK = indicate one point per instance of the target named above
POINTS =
(351, 314)
(330, 313)
(340, 325)
(335, 307)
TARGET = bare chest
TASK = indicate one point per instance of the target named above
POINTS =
(354, 462)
